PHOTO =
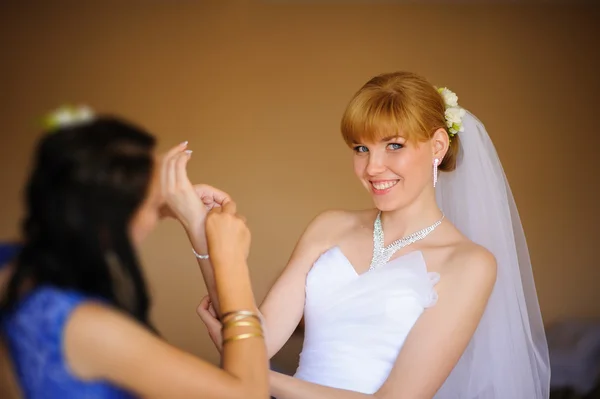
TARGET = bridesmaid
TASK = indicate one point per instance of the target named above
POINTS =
(76, 308)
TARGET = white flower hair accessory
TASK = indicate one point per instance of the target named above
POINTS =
(454, 113)
(68, 116)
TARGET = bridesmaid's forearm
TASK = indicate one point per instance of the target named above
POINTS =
(234, 288)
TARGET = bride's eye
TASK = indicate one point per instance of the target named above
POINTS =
(360, 149)
(395, 146)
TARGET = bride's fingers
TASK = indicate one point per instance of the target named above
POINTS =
(212, 311)
(204, 303)
(208, 319)
(204, 307)
(172, 171)
(219, 197)
(211, 196)
(164, 162)
(181, 175)
(174, 150)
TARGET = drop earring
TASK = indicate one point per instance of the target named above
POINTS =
(436, 162)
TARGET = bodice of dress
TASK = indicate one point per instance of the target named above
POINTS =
(355, 325)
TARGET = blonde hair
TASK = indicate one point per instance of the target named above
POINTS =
(394, 103)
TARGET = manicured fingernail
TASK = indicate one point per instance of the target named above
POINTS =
(184, 143)
(189, 152)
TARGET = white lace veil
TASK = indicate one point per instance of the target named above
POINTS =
(507, 357)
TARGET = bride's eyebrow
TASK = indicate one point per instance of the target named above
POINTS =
(389, 138)
(383, 140)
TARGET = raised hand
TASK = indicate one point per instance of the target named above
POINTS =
(209, 195)
(177, 190)
(186, 202)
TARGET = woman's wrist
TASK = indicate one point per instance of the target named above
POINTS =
(234, 290)
(197, 235)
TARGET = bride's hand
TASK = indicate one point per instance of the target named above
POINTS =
(209, 317)
(186, 202)
(210, 196)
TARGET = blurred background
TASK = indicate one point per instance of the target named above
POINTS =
(258, 89)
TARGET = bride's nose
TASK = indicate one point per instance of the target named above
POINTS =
(376, 164)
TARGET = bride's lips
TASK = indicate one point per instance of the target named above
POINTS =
(381, 187)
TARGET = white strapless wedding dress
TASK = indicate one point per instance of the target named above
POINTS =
(355, 325)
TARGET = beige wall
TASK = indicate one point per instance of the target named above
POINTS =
(258, 90)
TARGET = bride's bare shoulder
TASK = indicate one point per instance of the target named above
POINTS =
(341, 219)
(472, 263)
(329, 225)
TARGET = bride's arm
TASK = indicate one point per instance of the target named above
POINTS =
(434, 344)
(198, 240)
(210, 197)
(283, 306)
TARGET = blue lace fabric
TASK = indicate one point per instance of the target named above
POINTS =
(34, 332)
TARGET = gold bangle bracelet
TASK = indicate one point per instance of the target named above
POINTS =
(239, 317)
(241, 323)
(246, 313)
(242, 336)
(226, 336)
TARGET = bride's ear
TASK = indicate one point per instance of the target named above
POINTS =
(440, 141)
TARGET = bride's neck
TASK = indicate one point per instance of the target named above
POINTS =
(407, 220)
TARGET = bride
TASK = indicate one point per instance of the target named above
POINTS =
(431, 293)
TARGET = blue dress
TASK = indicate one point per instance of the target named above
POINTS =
(34, 332)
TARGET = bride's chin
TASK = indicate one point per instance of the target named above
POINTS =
(385, 206)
